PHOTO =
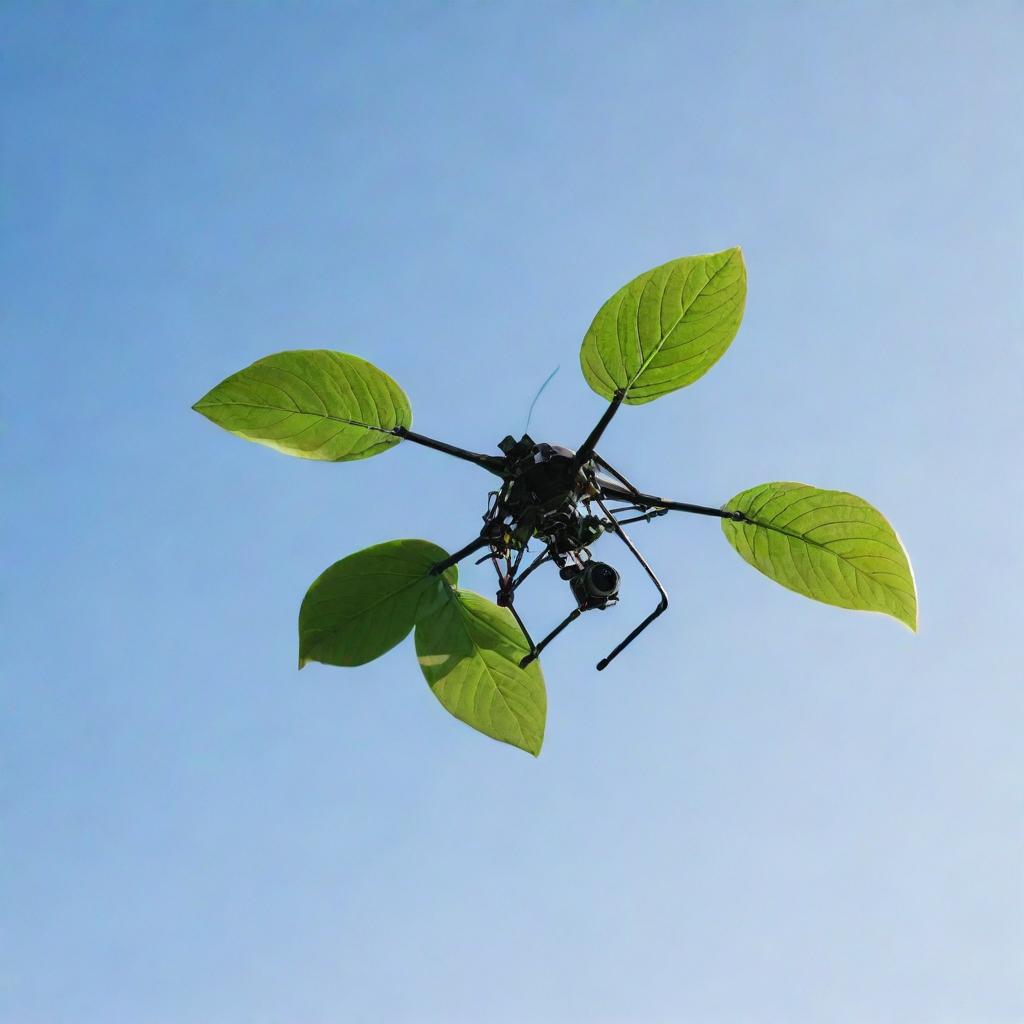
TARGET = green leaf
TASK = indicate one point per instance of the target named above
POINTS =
(362, 606)
(469, 651)
(828, 545)
(666, 328)
(311, 403)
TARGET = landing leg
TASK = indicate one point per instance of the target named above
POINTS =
(662, 604)
(522, 625)
(535, 652)
(507, 592)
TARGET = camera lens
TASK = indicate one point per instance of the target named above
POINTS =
(602, 579)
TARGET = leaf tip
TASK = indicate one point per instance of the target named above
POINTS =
(905, 616)
(528, 744)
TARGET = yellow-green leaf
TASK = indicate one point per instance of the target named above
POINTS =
(828, 545)
(469, 650)
(312, 403)
(364, 605)
(665, 328)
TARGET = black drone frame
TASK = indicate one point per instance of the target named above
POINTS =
(507, 559)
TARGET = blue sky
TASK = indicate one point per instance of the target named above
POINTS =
(769, 810)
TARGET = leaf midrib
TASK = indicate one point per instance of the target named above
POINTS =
(821, 547)
(294, 412)
(665, 334)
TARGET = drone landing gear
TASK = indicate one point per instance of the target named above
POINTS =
(526, 505)
(535, 649)
(662, 604)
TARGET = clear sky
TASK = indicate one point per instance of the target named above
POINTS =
(769, 811)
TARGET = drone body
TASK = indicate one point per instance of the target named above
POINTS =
(661, 332)
(547, 494)
(555, 495)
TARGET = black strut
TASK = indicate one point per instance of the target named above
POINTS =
(613, 490)
(587, 448)
(474, 545)
(492, 463)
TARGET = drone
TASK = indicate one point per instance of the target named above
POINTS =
(558, 497)
(659, 333)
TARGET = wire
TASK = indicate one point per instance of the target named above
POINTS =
(529, 415)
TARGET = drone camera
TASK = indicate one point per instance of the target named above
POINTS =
(596, 585)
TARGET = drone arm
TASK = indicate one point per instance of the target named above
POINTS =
(612, 490)
(493, 463)
(474, 545)
(586, 450)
